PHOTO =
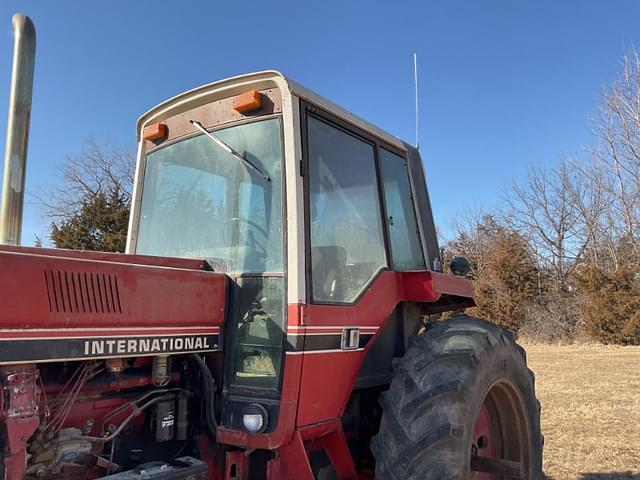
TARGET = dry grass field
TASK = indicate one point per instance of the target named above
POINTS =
(590, 397)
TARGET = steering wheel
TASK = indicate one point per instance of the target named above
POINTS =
(226, 233)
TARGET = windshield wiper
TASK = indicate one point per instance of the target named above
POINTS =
(229, 150)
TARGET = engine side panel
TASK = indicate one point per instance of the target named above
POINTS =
(64, 308)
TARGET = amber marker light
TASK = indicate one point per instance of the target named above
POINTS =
(247, 102)
(154, 132)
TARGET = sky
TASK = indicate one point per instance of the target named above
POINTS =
(503, 84)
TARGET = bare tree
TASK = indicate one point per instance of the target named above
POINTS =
(470, 237)
(543, 208)
(88, 206)
(617, 130)
(99, 168)
(589, 192)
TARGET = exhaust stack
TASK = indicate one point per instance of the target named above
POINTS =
(15, 156)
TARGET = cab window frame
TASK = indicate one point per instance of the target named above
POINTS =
(309, 110)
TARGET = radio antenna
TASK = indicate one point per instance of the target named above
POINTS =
(415, 82)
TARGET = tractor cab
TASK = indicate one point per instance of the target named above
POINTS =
(298, 202)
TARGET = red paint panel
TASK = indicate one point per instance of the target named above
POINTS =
(318, 430)
(372, 309)
(16, 465)
(20, 414)
(335, 444)
(327, 378)
(39, 291)
(420, 286)
(294, 460)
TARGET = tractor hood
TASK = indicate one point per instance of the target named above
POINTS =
(68, 305)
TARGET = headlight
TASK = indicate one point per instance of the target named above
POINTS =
(255, 418)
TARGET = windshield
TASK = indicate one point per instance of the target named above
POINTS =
(200, 201)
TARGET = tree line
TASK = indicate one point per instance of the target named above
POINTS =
(560, 260)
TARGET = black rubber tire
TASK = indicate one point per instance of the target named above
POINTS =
(438, 389)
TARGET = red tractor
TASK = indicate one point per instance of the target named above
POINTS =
(272, 317)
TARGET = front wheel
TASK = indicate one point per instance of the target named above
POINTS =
(461, 406)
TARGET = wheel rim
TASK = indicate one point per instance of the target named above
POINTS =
(500, 443)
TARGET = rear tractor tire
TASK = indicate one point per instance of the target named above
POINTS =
(461, 406)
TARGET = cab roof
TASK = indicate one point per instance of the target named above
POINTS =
(235, 85)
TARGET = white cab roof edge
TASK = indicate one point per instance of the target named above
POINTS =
(156, 113)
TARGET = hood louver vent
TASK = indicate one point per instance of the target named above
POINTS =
(80, 292)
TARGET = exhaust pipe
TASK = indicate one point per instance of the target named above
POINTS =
(15, 156)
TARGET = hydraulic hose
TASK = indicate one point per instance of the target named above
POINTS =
(209, 384)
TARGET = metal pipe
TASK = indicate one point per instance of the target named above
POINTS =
(15, 156)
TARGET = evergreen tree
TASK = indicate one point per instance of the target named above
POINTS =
(100, 224)
(505, 273)
(612, 306)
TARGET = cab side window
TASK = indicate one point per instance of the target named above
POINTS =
(347, 240)
(406, 251)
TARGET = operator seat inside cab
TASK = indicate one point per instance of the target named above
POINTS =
(329, 264)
